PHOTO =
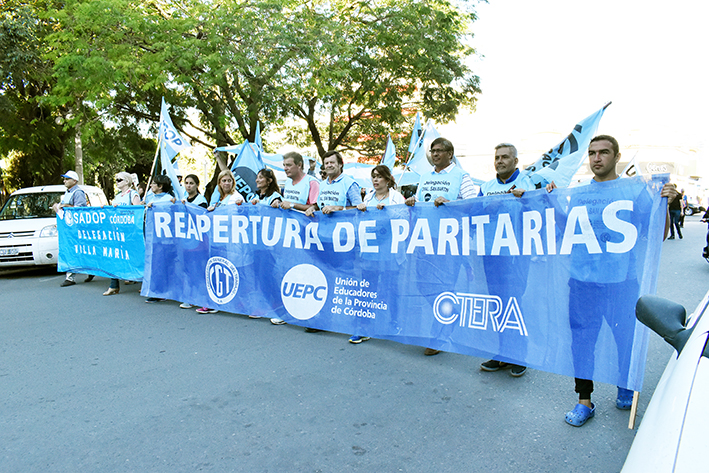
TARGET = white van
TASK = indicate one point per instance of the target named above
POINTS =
(28, 225)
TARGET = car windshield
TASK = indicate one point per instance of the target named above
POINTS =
(30, 206)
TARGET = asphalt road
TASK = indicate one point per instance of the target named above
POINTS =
(91, 383)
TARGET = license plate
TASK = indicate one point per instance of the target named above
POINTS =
(9, 251)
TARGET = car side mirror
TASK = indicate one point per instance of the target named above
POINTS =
(665, 318)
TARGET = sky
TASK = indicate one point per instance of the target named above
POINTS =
(546, 64)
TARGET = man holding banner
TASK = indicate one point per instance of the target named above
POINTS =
(73, 197)
(508, 179)
(507, 275)
(600, 289)
(301, 190)
(446, 182)
(339, 191)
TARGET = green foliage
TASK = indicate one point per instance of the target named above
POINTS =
(332, 74)
(345, 68)
(115, 149)
(29, 132)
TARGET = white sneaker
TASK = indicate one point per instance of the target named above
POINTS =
(277, 321)
(185, 305)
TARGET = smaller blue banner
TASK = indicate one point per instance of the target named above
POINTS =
(103, 241)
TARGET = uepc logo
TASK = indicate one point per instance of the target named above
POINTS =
(304, 291)
(222, 279)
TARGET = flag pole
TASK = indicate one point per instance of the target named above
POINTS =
(152, 169)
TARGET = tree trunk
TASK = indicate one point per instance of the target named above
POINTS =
(79, 154)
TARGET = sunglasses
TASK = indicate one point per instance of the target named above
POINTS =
(119, 180)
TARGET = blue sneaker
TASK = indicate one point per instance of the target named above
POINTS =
(358, 339)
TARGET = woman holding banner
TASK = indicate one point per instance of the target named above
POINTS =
(227, 191)
(268, 194)
(227, 196)
(192, 189)
(160, 191)
(127, 195)
(268, 191)
(374, 270)
(195, 198)
(384, 190)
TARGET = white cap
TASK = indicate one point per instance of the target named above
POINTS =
(71, 175)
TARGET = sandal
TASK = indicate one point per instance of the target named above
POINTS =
(580, 415)
(624, 400)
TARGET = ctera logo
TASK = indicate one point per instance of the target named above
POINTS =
(476, 311)
(222, 279)
(304, 291)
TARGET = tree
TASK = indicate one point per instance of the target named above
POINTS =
(30, 133)
(376, 59)
(345, 68)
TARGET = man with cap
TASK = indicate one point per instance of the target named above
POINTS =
(311, 170)
(73, 197)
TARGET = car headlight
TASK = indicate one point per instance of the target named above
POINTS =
(48, 231)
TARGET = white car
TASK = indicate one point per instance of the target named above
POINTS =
(28, 225)
(672, 436)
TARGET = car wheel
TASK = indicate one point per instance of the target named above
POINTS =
(688, 211)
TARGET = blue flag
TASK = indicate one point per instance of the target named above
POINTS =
(171, 143)
(415, 133)
(389, 157)
(561, 162)
(245, 167)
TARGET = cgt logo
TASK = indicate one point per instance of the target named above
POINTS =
(476, 311)
(304, 291)
(222, 279)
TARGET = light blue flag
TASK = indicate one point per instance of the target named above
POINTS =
(419, 161)
(389, 157)
(173, 140)
(632, 169)
(245, 167)
(171, 143)
(169, 170)
(415, 133)
(360, 172)
(257, 140)
(561, 162)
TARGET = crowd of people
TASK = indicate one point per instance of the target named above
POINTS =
(304, 192)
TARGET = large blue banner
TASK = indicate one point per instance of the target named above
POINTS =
(547, 280)
(103, 241)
